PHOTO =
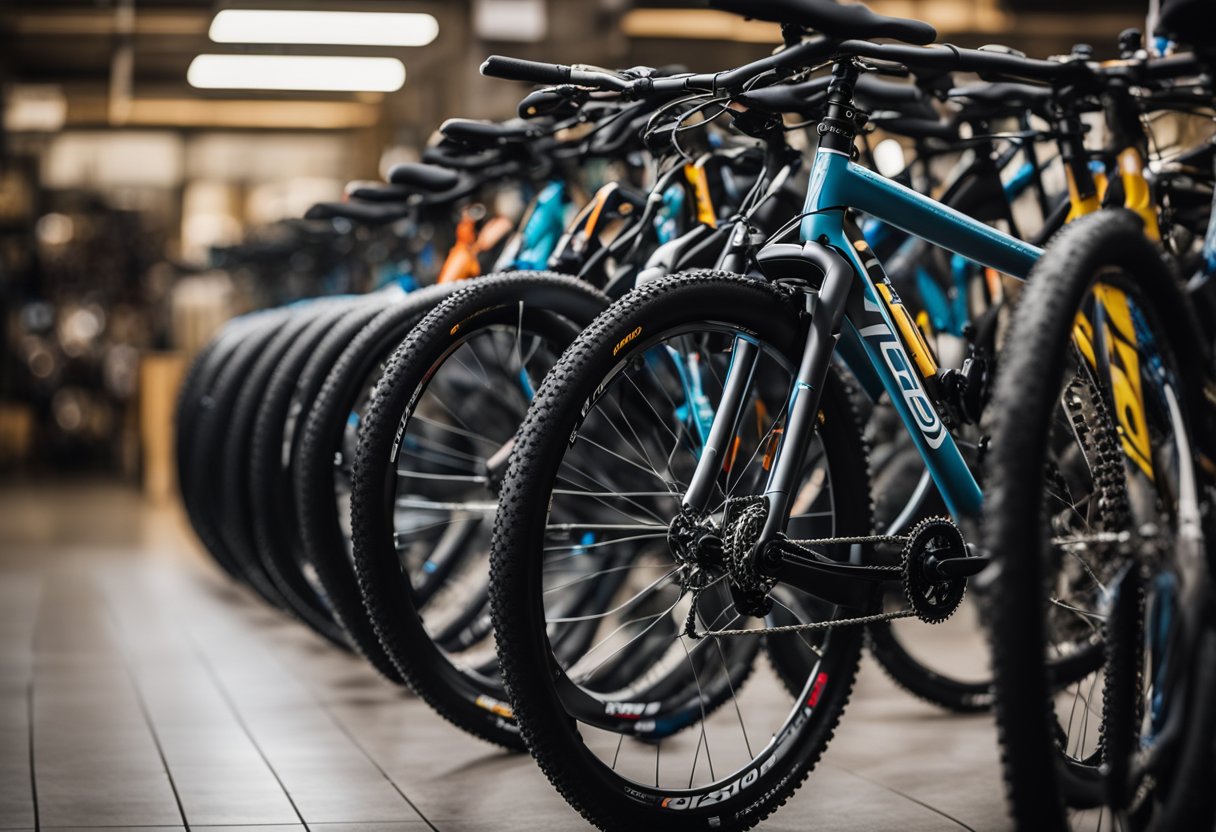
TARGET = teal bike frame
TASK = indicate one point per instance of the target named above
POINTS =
(849, 317)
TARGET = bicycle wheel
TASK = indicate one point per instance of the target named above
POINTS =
(274, 526)
(582, 571)
(234, 498)
(1093, 522)
(203, 370)
(206, 442)
(322, 459)
(432, 450)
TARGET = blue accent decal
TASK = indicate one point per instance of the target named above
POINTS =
(526, 384)
(667, 218)
(543, 227)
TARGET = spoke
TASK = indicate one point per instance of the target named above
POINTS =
(734, 698)
(800, 620)
(1086, 615)
(597, 545)
(577, 493)
(619, 495)
(601, 572)
(657, 416)
(638, 444)
(645, 590)
(701, 702)
(418, 475)
(435, 447)
(465, 428)
(466, 431)
(585, 673)
(485, 376)
(657, 618)
(423, 504)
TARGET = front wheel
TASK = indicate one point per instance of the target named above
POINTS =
(637, 683)
(1099, 443)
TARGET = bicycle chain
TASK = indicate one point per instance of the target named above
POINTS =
(690, 624)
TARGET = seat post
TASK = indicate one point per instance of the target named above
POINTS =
(838, 128)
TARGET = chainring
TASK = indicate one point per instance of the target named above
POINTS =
(932, 600)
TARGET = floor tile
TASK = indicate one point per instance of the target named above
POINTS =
(152, 673)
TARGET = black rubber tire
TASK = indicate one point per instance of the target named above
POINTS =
(276, 527)
(1027, 384)
(233, 500)
(203, 370)
(556, 306)
(244, 501)
(361, 346)
(586, 783)
(899, 476)
(207, 440)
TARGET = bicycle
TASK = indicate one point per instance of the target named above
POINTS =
(827, 296)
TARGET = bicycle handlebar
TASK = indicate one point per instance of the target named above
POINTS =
(804, 54)
(935, 58)
(535, 72)
(942, 57)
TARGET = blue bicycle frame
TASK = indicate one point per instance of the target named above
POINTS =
(849, 316)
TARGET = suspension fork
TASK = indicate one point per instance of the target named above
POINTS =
(825, 309)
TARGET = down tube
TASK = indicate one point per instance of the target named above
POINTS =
(868, 327)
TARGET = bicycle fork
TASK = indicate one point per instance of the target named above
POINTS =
(825, 308)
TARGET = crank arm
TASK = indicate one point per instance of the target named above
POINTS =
(949, 569)
(843, 584)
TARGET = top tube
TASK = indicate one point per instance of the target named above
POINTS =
(838, 183)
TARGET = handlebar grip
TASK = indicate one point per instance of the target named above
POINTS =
(1173, 66)
(516, 69)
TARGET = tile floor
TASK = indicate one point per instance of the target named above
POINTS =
(140, 690)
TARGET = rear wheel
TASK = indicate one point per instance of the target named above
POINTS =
(693, 733)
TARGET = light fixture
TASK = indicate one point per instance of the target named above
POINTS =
(296, 72)
(344, 28)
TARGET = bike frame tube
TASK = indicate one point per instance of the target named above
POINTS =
(869, 341)
(836, 183)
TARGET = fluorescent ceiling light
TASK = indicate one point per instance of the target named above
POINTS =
(345, 28)
(296, 72)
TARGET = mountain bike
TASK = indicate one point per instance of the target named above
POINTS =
(749, 519)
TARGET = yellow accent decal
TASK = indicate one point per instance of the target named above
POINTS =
(912, 338)
(1120, 334)
(1081, 205)
(696, 177)
(621, 343)
(494, 707)
(1136, 195)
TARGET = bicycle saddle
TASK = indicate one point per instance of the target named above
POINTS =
(806, 98)
(367, 213)
(449, 154)
(372, 191)
(832, 19)
(918, 127)
(485, 133)
(1003, 94)
(888, 94)
(426, 178)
